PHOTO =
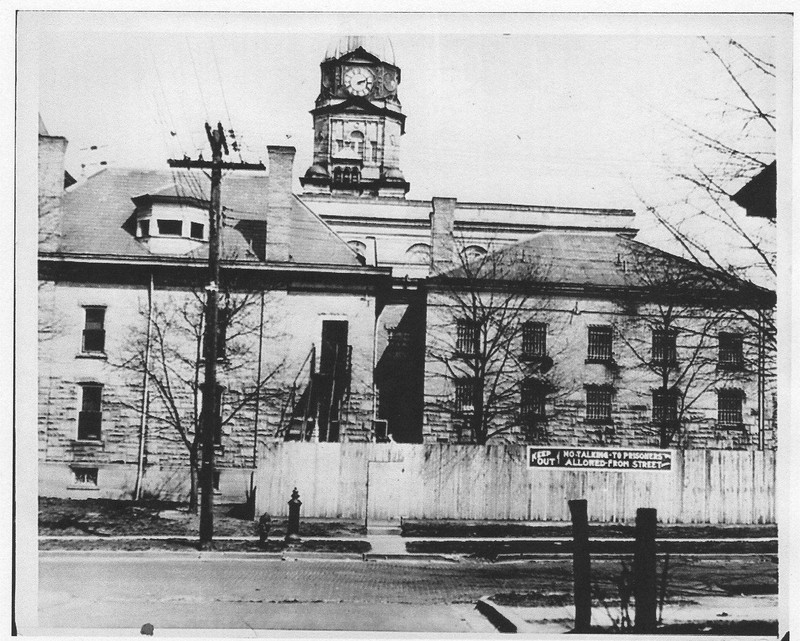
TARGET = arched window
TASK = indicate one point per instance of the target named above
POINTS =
(471, 252)
(419, 253)
(358, 246)
(346, 175)
(337, 175)
(357, 143)
(356, 175)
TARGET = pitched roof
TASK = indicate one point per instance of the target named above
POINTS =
(601, 261)
(99, 216)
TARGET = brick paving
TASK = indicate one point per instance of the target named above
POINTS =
(219, 591)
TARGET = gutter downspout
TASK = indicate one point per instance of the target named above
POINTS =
(137, 492)
(258, 394)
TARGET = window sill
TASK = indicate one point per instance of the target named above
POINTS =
(102, 356)
(731, 368)
(87, 441)
(601, 361)
(533, 357)
(84, 488)
(599, 421)
(730, 426)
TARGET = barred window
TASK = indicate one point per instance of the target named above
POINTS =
(729, 407)
(664, 350)
(598, 404)
(532, 400)
(599, 343)
(665, 405)
(94, 333)
(466, 336)
(730, 350)
(91, 415)
(534, 339)
(85, 476)
(465, 391)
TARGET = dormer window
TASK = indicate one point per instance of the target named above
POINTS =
(197, 231)
(167, 227)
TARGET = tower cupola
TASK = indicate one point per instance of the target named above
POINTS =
(358, 121)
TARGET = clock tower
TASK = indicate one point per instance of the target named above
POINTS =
(358, 121)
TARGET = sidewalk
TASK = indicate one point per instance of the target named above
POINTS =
(560, 619)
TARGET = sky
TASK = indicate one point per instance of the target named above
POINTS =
(573, 110)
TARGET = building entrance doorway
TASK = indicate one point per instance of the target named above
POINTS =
(387, 495)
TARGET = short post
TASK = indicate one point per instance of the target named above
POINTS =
(581, 565)
(293, 526)
(644, 571)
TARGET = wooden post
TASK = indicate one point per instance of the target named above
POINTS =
(210, 411)
(644, 571)
(581, 565)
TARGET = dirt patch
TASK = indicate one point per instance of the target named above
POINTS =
(532, 599)
(183, 545)
(494, 550)
(503, 529)
(106, 517)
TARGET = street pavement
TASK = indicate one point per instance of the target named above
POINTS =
(219, 591)
(252, 592)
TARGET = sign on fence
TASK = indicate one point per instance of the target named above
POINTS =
(591, 458)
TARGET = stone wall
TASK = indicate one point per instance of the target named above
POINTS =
(292, 325)
(628, 375)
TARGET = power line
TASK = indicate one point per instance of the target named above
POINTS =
(197, 77)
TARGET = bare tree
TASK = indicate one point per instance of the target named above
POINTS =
(706, 223)
(683, 332)
(488, 320)
(174, 364)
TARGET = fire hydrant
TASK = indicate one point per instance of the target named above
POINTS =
(264, 524)
(293, 526)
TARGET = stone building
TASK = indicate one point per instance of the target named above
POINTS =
(354, 313)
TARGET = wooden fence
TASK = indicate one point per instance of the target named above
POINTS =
(387, 481)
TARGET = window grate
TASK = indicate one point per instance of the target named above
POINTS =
(599, 343)
(598, 404)
(466, 336)
(532, 400)
(664, 346)
(729, 407)
(465, 395)
(85, 476)
(665, 406)
(534, 340)
(731, 354)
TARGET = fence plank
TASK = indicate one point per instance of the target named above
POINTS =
(493, 482)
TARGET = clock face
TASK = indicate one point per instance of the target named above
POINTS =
(358, 81)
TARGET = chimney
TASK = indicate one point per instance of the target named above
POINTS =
(52, 150)
(443, 244)
(279, 202)
(372, 251)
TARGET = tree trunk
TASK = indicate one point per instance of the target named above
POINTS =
(193, 469)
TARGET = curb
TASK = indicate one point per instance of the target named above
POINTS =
(410, 556)
(499, 617)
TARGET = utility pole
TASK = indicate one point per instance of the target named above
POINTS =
(210, 409)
